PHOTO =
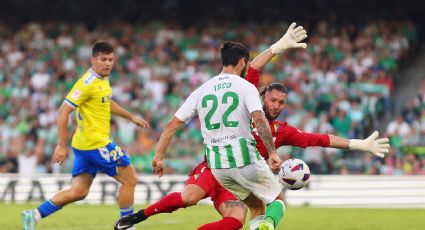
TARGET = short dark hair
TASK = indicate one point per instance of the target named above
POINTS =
(102, 47)
(231, 52)
(274, 86)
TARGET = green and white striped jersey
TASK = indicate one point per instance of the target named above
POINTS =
(223, 105)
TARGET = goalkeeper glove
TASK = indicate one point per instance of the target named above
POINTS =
(377, 147)
(290, 40)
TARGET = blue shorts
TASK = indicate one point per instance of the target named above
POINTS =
(105, 160)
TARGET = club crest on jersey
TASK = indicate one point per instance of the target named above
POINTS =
(76, 94)
(276, 126)
(196, 176)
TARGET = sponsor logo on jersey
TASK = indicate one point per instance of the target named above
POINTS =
(89, 79)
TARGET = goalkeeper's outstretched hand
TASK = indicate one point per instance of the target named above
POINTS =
(290, 40)
(378, 147)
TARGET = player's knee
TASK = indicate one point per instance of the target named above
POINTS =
(190, 201)
(235, 209)
(190, 198)
(130, 181)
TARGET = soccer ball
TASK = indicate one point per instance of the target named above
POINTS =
(294, 174)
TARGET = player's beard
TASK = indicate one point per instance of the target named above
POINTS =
(243, 72)
(268, 115)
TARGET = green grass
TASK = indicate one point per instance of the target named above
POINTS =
(93, 217)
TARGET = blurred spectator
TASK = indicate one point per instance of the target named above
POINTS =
(27, 162)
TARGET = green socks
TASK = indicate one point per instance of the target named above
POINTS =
(275, 211)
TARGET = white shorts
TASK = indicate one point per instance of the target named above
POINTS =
(255, 178)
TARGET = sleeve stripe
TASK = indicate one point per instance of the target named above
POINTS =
(70, 103)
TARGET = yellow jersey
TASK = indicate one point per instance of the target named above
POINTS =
(91, 97)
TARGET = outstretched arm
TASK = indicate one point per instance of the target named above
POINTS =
(290, 40)
(261, 60)
(164, 141)
(289, 135)
(378, 147)
(338, 142)
(121, 112)
(254, 70)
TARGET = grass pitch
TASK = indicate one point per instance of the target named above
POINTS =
(96, 217)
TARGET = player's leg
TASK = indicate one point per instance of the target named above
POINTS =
(269, 192)
(114, 162)
(262, 184)
(233, 182)
(197, 188)
(127, 177)
(274, 213)
(257, 211)
(79, 189)
(83, 173)
(262, 217)
(232, 210)
(191, 195)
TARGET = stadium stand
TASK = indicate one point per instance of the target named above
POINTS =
(342, 84)
(347, 82)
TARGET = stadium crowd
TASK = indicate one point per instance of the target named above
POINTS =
(341, 84)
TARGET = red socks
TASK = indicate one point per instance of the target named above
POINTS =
(227, 223)
(168, 203)
(173, 201)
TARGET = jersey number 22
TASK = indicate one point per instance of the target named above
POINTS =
(225, 118)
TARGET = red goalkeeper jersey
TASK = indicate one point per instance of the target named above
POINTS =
(284, 134)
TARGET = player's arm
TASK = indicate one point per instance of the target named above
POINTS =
(77, 96)
(338, 142)
(183, 115)
(288, 135)
(378, 147)
(290, 40)
(164, 141)
(117, 110)
(261, 60)
(263, 129)
(60, 153)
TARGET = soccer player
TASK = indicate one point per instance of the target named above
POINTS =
(274, 97)
(202, 184)
(91, 98)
